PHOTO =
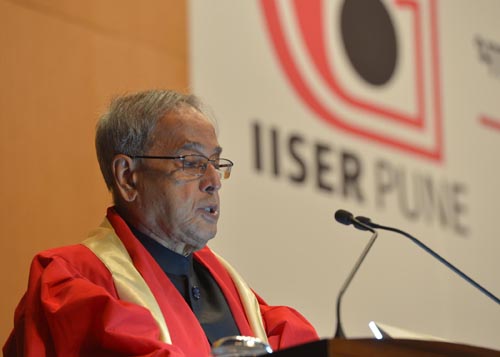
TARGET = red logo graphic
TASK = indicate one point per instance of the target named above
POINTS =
(403, 109)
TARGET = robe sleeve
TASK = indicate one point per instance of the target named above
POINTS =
(67, 312)
(285, 327)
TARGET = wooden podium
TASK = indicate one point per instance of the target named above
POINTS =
(386, 348)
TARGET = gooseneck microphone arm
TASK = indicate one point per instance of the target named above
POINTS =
(347, 218)
(367, 221)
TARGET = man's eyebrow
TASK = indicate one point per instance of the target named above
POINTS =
(196, 146)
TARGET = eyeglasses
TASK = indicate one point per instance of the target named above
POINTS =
(196, 165)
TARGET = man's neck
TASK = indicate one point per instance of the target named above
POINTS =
(133, 221)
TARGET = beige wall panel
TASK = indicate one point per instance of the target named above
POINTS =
(59, 66)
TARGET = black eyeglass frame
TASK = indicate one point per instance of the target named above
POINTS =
(225, 172)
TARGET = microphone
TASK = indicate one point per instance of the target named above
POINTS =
(347, 218)
(368, 222)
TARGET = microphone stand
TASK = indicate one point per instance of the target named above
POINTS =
(339, 333)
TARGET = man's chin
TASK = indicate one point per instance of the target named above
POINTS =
(202, 241)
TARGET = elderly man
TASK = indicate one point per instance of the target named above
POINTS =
(144, 283)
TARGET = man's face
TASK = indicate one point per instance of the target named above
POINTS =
(178, 209)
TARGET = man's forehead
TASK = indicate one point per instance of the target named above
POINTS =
(197, 146)
(186, 132)
(186, 116)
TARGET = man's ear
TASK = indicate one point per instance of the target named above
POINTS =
(125, 177)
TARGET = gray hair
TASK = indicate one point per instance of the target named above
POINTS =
(127, 126)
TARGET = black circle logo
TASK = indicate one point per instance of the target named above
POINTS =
(369, 39)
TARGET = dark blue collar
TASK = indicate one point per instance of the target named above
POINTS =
(170, 261)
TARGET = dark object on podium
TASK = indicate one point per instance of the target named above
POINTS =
(386, 348)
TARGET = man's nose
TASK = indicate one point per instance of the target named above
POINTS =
(210, 181)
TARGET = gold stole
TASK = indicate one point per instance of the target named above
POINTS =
(131, 287)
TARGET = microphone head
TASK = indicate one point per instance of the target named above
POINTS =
(344, 217)
(364, 220)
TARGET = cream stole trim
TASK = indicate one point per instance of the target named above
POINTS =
(130, 285)
(250, 303)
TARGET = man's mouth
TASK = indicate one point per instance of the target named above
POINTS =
(211, 212)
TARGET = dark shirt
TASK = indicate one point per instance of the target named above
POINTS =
(199, 289)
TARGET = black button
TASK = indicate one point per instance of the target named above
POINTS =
(195, 291)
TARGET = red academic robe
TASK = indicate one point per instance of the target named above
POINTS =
(71, 308)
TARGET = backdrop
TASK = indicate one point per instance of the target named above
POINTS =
(388, 109)
(314, 120)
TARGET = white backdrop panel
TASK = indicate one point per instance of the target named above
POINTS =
(435, 175)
